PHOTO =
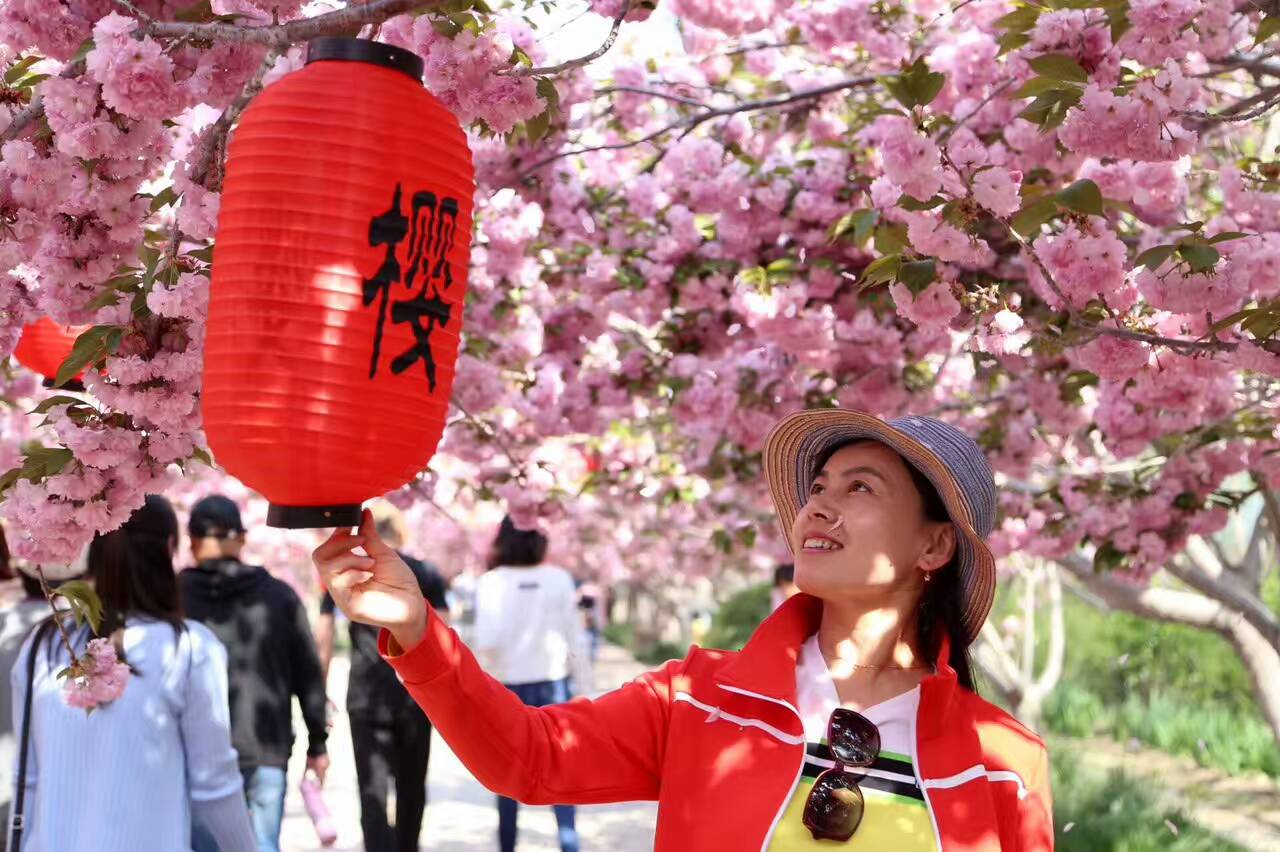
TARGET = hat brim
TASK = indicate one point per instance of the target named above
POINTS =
(796, 443)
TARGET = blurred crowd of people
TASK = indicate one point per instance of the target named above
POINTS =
(218, 652)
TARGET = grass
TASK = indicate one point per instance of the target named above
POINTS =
(1178, 689)
(1113, 814)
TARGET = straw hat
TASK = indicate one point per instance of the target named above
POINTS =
(947, 457)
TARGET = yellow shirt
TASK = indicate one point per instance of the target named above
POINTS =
(896, 815)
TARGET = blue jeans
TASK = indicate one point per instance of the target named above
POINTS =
(264, 789)
(538, 695)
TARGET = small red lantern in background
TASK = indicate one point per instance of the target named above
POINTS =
(44, 345)
(339, 275)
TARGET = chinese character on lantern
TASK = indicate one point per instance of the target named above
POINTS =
(431, 228)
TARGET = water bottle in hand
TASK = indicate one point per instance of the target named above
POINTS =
(313, 801)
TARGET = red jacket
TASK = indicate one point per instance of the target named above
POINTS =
(715, 738)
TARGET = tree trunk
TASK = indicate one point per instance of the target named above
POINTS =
(1216, 605)
(1016, 680)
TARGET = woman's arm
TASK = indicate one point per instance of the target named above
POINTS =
(227, 819)
(611, 749)
(1035, 811)
(214, 782)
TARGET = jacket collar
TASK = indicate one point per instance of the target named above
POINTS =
(766, 665)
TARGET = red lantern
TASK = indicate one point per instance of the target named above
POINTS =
(44, 345)
(339, 273)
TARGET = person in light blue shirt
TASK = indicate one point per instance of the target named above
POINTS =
(131, 776)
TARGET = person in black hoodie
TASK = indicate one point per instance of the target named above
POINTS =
(271, 657)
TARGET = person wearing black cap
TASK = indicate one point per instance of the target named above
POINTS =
(271, 657)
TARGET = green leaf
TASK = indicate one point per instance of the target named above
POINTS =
(917, 86)
(1228, 321)
(881, 270)
(90, 347)
(196, 13)
(918, 274)
(1269, 27)
(1227, 235)
(105, 299)
(1107, 557)
(45, 461)
(1050, 109)
(856, 222)
(1059, 66)
(83, 51)
(1083, 196)
(756, 277)
(1033, 214)
(548, 92)
(9, 478)
(706, 224)
(54, 401)
(926, 86)
(163, 198)
(1118, 19)
(1155, 256)
(1018, 21)
(781, 268)
(201, 455)
(17, 69)
(890, 238)
(1200, 257)
(901, 92)
(1038, 86)
(536, 128)
(445, 27)
(906, 202)
(1012, 41)
(84, 601)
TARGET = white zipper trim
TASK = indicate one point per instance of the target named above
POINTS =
(973, 773)
(786, 704)
(795, 782)
(915, 767)
(714, 713)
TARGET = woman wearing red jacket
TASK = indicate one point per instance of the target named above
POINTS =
(848, 720)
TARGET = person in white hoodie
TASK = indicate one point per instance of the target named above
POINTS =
(528, 635)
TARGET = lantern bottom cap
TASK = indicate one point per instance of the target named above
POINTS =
(313, 517)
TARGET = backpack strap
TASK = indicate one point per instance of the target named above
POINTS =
(17, 822)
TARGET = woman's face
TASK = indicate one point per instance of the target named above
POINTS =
(863, 533)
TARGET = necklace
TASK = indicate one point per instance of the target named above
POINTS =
(836, 661)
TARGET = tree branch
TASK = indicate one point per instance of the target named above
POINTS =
(690, 122)
(581, 60)
(1224, 587)
(1170, 605)
(1185, 346)
(1241, 110)
(214, 145)
(1057, 634)
(283, 35)
(653, 93)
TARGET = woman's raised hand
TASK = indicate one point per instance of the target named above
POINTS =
(376, 588)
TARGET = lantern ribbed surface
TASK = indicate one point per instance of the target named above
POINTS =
(45, 344)
(339, 276)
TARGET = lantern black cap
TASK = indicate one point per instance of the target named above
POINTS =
(313, 517)
(363, 50)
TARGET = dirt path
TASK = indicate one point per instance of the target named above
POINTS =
(461, 816)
